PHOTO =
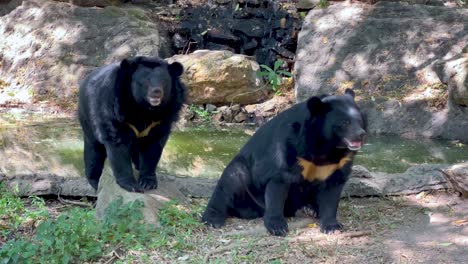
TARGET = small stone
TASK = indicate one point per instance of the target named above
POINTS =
(269, 106)
(307, 4)
(227, 115)
(218, 117)
(210, 108)
(457, 176)
(235, 108)
(223, 2)
(250, 108)
(222, 108)
(241, 117)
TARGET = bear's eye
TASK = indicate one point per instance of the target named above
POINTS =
(345, 123)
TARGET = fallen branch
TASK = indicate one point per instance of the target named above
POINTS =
(84, 204)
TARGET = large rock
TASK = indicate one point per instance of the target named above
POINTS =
(455, 73)
(109, 191)
(221, 77)
(47, 47)
(414, 180)
(457, 175)
(362, 183)
(407, 64)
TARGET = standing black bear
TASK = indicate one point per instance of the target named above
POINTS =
(126, 111)
(302, 157)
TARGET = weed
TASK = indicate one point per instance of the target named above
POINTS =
(274, 76)
(323, 3)
(75, 236)
(200, 112)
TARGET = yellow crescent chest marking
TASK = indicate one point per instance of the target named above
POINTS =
(312, 172)
(146, 131)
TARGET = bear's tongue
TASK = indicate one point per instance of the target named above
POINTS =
(354, 145)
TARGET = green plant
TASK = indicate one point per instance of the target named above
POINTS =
(323, 3)
(274, 76)
(200, 112)
(71, 237)
(76, 236)
(178, 224)
(11, 207)
(124, 224)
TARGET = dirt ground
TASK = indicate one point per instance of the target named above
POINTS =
(424, 228)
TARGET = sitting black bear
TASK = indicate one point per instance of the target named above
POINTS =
(126, 111)
(302, 157)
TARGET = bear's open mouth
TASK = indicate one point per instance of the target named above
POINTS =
(154, 101)
(353, 145)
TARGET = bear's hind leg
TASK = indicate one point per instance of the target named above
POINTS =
(230, 188)
(94, 157)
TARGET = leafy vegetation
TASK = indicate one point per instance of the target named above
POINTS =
(200, 112)
(323, 3)
(75, 236)
(274, 76)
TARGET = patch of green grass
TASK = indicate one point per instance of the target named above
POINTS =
(13, 213)
(323, 3)
(200, 112)
(75, 236)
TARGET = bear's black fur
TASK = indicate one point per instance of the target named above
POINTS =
(126, 111)
(302, 157)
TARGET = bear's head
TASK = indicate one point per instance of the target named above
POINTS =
(341, 123)
(152, 80)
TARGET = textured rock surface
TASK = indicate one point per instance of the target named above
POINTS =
(457, 176)
(47, 58)
(362, 183)
(407, 64)
(110, 191)
(221, 77)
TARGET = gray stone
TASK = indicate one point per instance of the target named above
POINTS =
(457, 176)
(414, 180)
(235, 108)
(456, 75)
(92, 3)
(223, 2)
(240, 117)
(218, 117)
(307, 4)
(362, 183)
(250, 108)
(228, 115)
(399, 58)
(47, 59)
(210, 108)
(109, 191)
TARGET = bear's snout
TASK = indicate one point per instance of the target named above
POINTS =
(155, 96)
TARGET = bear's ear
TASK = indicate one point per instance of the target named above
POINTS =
(176, 69)
(316, 106)
(349, 92)
(129, 64)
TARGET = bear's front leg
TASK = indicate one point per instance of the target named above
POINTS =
(328, 198)
(121, 163)
(149, 159)
(275, 197)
